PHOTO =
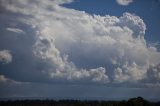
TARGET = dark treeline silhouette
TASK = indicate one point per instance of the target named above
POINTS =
(139, 101)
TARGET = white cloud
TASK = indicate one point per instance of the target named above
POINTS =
(85, 48)
(16, 30)
(124, 2)
(5, 56)
(154, 73)
(120, 76)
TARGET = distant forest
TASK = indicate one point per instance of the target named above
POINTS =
(139, 101)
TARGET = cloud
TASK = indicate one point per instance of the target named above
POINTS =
(154, 74)
(5, 80)
(124, 2)
(75, 47)
(16, 30)
(5, 56)
(2, 78)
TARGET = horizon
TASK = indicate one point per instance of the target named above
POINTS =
(73, 98)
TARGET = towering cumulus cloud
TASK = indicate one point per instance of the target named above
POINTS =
(76, 47)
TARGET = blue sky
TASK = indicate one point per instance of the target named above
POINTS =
(82, 49)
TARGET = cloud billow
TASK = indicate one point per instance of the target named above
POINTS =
(5, 56)
(81, 48)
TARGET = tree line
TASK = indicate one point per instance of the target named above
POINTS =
(139, 101)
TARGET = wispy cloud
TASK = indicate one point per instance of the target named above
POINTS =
(16, 30)
(3, 79)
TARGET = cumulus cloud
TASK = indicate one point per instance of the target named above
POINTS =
(16, 30)
(82, 48)
(154, 74)
(5, 56)
(124, 2)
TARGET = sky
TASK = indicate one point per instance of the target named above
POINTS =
(80, 49)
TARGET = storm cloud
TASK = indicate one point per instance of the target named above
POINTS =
(70, 46)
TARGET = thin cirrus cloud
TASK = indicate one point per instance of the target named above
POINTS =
(16, 30)
(76, 47)
(124, 2)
